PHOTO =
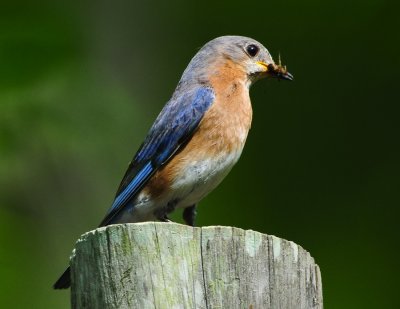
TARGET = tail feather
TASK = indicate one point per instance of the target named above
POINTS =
(64, 282)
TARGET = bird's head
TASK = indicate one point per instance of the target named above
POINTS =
(247, 54)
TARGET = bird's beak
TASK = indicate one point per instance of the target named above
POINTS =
(275, 70)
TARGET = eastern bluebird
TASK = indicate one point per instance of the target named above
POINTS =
(198, 136)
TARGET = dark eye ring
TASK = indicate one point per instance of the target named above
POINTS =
(252, 50)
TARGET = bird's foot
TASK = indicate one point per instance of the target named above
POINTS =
(164, 219)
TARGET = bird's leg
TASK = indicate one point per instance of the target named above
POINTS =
(189, 215)
(162, 213)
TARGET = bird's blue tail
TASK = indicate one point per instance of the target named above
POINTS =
(64, 282)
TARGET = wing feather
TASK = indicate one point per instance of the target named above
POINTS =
(173, 127)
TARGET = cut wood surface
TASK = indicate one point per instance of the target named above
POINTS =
(168, 265)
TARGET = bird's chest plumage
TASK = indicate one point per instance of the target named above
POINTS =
(214, 148)
(204, 161)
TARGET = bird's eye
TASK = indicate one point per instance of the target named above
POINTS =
(252, 50)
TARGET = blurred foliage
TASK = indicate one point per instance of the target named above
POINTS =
(80, 84)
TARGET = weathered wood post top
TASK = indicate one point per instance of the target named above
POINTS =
(168, 265)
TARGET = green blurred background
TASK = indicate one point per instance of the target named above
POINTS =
(81, 83)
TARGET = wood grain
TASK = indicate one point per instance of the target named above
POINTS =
(168, 265)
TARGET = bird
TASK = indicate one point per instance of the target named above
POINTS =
(197, 138)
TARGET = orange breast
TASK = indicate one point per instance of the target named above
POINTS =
(222, 131)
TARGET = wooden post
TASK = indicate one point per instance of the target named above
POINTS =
(168, 265)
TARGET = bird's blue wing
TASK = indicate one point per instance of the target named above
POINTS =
(173, 127)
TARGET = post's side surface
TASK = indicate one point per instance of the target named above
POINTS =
(168, 265)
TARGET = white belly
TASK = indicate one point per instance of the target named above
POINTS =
(200, 177)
